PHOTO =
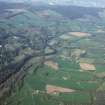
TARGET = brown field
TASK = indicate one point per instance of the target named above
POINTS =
(100, 31)
(70, 35)
(87, 66)
(43, 13)
(17, 10)
(64, 78)
(86, 60)
(52, 65)
(35, 92)
(78, 52)
(101, 75)
(66, 37)
(79, 34)
(55, 89)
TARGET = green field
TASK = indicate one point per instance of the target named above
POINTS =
(69, 74)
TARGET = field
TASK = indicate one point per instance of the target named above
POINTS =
(73, 60)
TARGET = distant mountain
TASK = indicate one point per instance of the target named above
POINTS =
(86, 3)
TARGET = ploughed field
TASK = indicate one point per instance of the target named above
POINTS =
(75, 73)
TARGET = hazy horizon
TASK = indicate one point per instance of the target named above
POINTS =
(94, 3)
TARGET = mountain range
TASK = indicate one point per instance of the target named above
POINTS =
(87, 3)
